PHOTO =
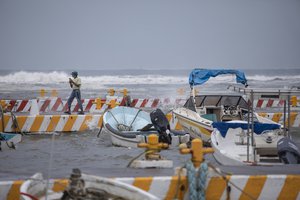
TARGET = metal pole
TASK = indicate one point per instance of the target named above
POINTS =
(252, 123)
(2, 118)
(194, 98)
(284, 118)
(248, 130)
(289, 115)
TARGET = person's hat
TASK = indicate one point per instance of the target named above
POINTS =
(74, 73)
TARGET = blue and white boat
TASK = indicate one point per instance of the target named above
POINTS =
(129, 126)
(200, 111)
(255, 140)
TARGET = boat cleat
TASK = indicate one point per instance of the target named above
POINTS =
(152, 157)
(197, 150)
(99, 103)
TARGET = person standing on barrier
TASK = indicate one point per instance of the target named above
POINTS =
(75, 84)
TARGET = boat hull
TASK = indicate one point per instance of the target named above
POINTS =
(193, 124)
(118, 140)
(103, 188)
(232, 149)
(134, 121)
(9, 140)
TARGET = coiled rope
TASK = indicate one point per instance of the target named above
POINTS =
(196, 180)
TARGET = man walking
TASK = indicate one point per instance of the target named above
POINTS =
(75, 84)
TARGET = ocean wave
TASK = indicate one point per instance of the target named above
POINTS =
(23, 77)
(55, 77)
(273, 78)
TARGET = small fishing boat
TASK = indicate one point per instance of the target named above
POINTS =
(129, 126)
(9, 140)
(200, 111)
(81, 186)
(253, 142)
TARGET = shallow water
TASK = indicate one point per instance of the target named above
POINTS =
(97, 156)
(85, 150)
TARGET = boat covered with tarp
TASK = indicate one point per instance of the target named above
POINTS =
(200, 111)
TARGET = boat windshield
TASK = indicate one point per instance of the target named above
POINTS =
(217, 101)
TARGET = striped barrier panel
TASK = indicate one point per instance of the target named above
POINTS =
(241, 187)
(61, 123)
(268, 103)
(278, 117)
(51, 123)
(45, 105)
(275, 103)
(58, 105)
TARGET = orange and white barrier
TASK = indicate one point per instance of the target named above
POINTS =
(278, 117)
(171, 187)
(275, 103)
(56, 104)
(45, 105)
(61, 123)
(51, 123)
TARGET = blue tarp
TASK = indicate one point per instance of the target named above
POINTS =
(200, 76)
(258, 127)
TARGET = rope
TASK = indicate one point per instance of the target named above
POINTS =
(202, 180)
(102, 124)
(15, 122)
(145, 152)
(196, 180)
(191, 174)
(29, 195)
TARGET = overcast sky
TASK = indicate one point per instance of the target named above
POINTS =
(96, 34)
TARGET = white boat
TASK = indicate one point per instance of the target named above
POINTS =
(257, 141)
(230, 143)
(199, 112)
(197, 119)
(9, 140)
(82, 186)
(129, 126)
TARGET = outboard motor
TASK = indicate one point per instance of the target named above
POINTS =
(288, 151)
(161, 124)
